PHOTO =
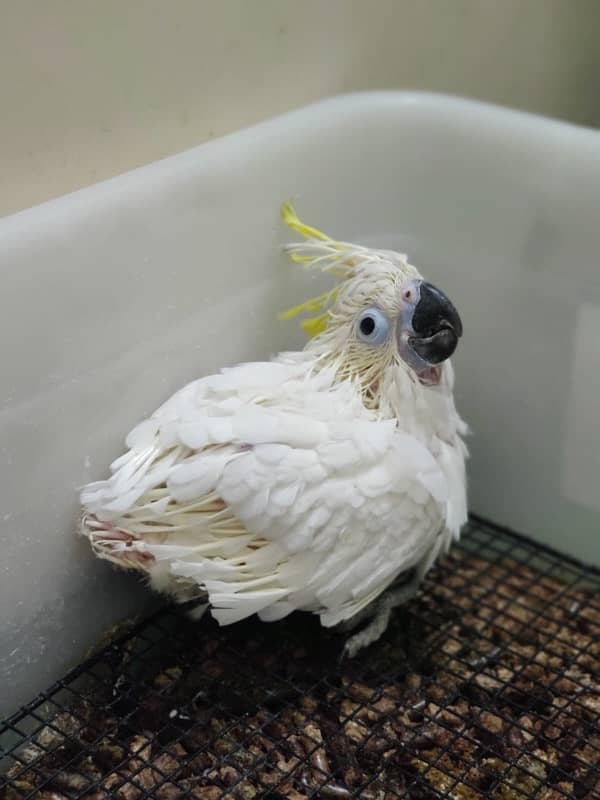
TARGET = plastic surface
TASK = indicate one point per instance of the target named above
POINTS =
(116, 295)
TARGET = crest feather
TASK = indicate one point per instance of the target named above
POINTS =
(341, 259)
(319, 251)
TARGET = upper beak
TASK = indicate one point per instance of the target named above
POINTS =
(436, 325)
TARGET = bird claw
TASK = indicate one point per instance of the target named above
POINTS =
(358, 641)
(347, 654)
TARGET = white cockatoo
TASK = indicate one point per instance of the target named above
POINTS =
(313, 481)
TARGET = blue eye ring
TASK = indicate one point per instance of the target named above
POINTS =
(372, 326)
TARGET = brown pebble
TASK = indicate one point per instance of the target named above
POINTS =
(552, 732)
(437, 693)
(355, 731)
(287, 765)
(246, 791)
(488, 682)
(377, 744)
(422, 742)
(229, 776)
(319, 759)
(166, 763)
(201, 762)
(70, 781)
(349, 708)
(128, 791)
(168, 791)
(386, 705)
(516, 736)
(309, 704)
(167, 678)
(47, 796)
(360, 692)
(141, 745)
(491, 722)
(353, 777)
(313, 732)
(287, 790)
(333, 791)
(207, 792)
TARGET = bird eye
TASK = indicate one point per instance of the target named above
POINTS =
(372, 326)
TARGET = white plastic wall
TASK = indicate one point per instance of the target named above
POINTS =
(114, 296)
(91, 89)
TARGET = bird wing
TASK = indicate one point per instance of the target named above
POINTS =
(273, 491)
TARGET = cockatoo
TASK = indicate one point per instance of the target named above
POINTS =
(314, 481)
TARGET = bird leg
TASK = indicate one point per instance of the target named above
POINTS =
(380, 613)
(348, 625)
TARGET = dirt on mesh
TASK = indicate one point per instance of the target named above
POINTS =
(486, 686)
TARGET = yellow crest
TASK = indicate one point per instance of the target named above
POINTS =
(316, 324)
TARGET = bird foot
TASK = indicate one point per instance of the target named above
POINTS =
(376, 627)
(367, 635)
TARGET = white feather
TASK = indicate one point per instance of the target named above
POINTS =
(272, 487)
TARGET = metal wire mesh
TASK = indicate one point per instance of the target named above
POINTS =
(486, 686)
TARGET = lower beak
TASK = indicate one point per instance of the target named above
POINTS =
(436, 325)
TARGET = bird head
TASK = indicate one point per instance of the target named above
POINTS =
(381, 315)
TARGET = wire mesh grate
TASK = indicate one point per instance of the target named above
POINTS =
(486, 686)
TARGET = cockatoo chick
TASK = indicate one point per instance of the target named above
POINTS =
(313, 481)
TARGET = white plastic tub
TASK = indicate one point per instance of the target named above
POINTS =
(114, 296)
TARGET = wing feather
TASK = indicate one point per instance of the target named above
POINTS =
(270, 494)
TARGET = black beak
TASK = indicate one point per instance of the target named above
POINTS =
(436, 324)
